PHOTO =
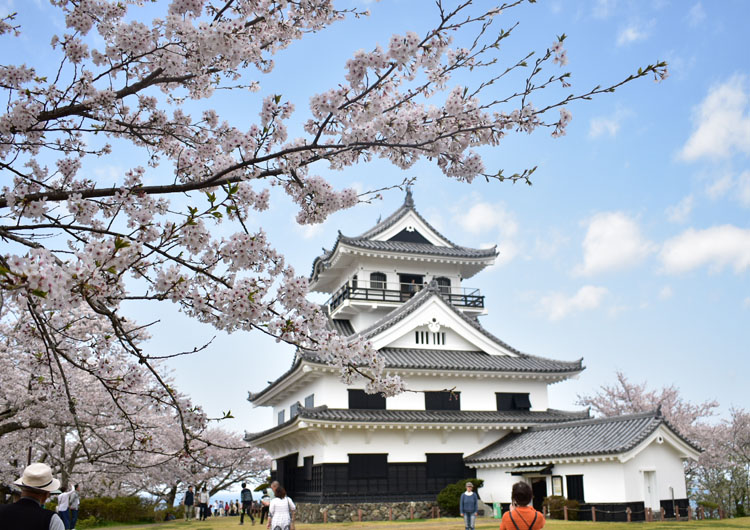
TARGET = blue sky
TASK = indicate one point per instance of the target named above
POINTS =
(631, 249)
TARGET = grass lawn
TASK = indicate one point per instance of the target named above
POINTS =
(225, 523)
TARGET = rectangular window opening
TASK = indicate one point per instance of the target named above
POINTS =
(281, 417)
(310, 401)
(574, 485)
(443, 400)
(359, 399)
(512, 401)
(368, 466)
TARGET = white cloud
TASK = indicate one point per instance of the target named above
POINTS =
(743, 188)
(558, 305)
(746, 302)
(630, 34)
(720, 186)
(609, 125)
(680, 211)
(613, 241)
(696, 15)
(722, 123)
(484, 217)
(716, 247)
(666, 293)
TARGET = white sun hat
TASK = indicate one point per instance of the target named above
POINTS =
(39, 477)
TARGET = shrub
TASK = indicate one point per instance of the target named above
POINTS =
(450, 496)
(89, 522)
(555, 504)
(117, 509)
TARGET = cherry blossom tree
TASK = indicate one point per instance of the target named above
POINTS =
(78, 249)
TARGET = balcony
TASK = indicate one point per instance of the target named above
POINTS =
(401, 292)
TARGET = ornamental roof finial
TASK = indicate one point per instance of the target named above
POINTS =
(409, 200)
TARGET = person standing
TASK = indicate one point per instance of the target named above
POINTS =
(246, 496)
(74, 501)
(28, 513)
(469, 506)
(63, 504)
(265, 501)
(281, 511)
(521, 516)
(188, 501)
(203, 499)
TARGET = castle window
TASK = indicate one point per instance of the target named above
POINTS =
(512, 401)
(442, 401)
(368, 465)
(445, 465)
(354, 281)
(377, 280)
(308, 467)
(438, 338)
(359, 399)
(294, 409)
(422, 337)
(444, 285)
(281, 417)
(574, 485)
(310, 401)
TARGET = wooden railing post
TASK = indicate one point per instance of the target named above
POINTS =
(325, 515)
(676, 512)
(390, 513)
(629, 514)
(690, 513)
(565, 513)
(411, 511)
(593, 513)
(649, 515)
(359, 514)
(661, 512)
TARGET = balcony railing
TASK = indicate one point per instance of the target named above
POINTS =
(374, 291)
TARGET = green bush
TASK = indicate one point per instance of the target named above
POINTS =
(555, 504)
(117, 509)
(449, 498)
(89, 522)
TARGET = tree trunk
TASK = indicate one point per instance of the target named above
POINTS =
(171, 496)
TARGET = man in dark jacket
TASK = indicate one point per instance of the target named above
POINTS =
(27, 513)
(189, 501)
(246, 496)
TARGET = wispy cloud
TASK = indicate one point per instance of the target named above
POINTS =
(607, 125)
(604, 8)
(680, 212)
(721, 123)
(558, 305)
(613, 241)
(666, 293)
(631, 33)
(696, 15)
(717, 247)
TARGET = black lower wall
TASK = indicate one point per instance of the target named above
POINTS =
(326, 483)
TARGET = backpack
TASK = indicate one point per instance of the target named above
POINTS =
(246, 495)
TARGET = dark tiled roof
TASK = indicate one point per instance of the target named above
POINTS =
(473, 360)
(600, 436)
(342, 326)
(419, 248)
(365, 241)
(517, 417)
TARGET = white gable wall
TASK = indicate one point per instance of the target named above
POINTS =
(667, 464)
(453, 341)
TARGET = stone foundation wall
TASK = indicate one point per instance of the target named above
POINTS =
(314, 513)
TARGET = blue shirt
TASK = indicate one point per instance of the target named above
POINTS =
(468, 503)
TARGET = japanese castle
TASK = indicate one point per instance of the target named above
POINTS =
(480, 408)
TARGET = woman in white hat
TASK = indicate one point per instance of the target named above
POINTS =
(27, 513)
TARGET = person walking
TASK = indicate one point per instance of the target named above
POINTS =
(188, 501)
(469, 506)
(63, 505)
(521, 516)
(27, 513)
(246, 496)
(281, 511)
(74, 501)
(203, 499)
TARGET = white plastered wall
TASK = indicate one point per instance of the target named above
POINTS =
(668, 467)
(476, 393)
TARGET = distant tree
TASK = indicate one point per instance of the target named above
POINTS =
(721, 476)
(132, 77)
